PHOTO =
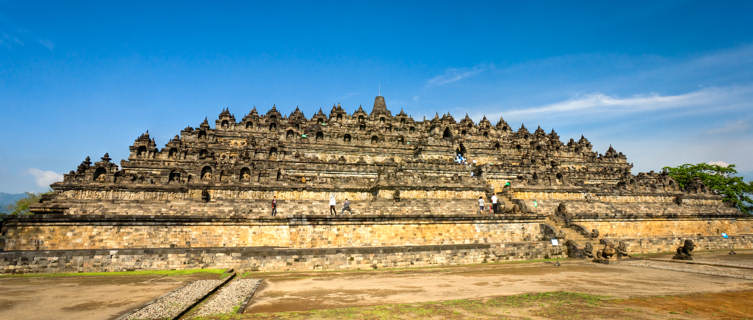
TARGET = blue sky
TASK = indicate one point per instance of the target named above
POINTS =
(664, 82)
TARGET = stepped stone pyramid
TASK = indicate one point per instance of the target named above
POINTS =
(212, 187)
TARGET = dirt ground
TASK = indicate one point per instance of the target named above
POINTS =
(285, 292)
(577, 289)
(83, 297)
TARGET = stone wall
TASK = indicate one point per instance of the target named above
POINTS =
(263, 208)
(282, 259)
(670, 244)
(65, 232)
(656, 228)
(272, 259)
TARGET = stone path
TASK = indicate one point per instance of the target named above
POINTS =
(172, 304)
(230, 298)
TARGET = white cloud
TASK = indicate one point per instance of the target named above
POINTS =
(44, 178)
(731, 127)
(455, 74)
(718, 163)
(599, 102)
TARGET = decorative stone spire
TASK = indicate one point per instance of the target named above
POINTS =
(447, 117)
(553, 136)
(467, 121)
(502, 124)
(274, 113)
(523, 129)
(253, 112)
(611, 153)
(204, 124)
(296, 116)
(84, 165)
(539, 132)
(380, 107)
(485, 123)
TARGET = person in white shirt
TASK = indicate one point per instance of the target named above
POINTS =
(495, 204)
(480, 205)
(332, 210)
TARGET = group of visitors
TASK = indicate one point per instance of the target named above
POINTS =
(332, 204)
(493, 208)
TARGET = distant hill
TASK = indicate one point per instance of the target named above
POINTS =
(7, 199)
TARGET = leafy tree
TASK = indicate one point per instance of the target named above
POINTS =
(722, 180)
(22, 205)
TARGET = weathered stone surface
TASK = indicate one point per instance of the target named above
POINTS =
(101, 232)
(213, 187)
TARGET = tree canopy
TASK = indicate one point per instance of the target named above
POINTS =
(22, 205)
(723, 180)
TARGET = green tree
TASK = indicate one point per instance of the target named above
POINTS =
(22, 205)
(721, 180)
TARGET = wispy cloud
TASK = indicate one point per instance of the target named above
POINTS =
(43, 178)
(599, 102)
(47, 44)
(13, 36)
(9, 40)
(731, 127)
(456, 74)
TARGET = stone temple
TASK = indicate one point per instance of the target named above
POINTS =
(204, 199)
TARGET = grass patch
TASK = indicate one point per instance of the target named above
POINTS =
(220, 272)
(549, 304)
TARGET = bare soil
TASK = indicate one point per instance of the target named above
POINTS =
(84, 297)
(347, 289)
(577, 289)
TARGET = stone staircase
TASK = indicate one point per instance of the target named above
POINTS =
(569, 232)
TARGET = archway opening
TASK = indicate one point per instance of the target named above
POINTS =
(174, 177)
(206, 173)
(99, 174)
(447, 134)
(245, 175)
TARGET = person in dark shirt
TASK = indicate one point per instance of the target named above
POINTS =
(346, 206)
